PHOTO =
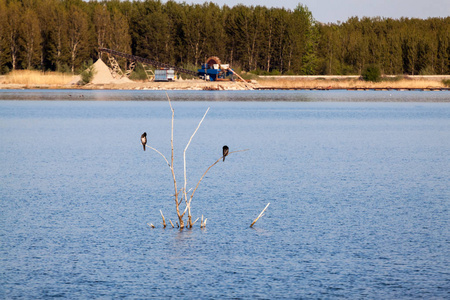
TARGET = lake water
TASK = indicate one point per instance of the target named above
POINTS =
(358, 186)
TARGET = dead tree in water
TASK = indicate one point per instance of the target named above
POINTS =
(182, 194)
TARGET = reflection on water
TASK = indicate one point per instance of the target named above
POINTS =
(296, 96)
(358, 191)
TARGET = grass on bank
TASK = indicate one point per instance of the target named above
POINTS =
(397, 83)
(38, 78)
(29, 77)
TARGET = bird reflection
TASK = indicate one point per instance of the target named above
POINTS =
(144, 139)
(225, 150)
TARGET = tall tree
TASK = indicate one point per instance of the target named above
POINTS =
(410, 43)
(279, 35)
(267, 43)
(3, 36)
(176, 39)
(31, 37)
(443, 45)
(149, 30)
(243, 25)
(12, 30)
(102, 24)
(57, 27)
(300, 38)
(77, 33)
(118, 35)
(195, 33)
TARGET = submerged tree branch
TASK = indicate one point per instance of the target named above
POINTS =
(164, 220)
(184, 162)
(183, 191)
(260, 215)
(180, 217)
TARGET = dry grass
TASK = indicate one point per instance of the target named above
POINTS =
(28, 77)
(349, 84)
(55, 79)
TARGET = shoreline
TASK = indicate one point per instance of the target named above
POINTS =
(320, 83)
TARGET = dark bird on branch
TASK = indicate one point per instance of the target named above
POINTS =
(225, 151)
(144, 139)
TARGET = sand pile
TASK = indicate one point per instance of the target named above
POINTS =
(103, 75)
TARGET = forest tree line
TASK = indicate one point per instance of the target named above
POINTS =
(62, 35)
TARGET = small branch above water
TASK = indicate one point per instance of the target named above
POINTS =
(260, 215)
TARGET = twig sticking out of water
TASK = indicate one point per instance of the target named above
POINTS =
(260, 215)
(185, 177)
(164, 220)
(203, 224)
(151, 225)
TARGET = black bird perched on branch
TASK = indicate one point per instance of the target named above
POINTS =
(144, 139)
(225, 151)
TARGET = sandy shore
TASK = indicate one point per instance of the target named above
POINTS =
(262, 83)
(175, 85)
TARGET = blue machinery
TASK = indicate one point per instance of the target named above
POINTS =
(213, 70)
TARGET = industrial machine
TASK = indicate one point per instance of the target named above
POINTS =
(212, 70)
(145, 61)
(164, 75)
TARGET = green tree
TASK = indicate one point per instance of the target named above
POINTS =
(372, 73)
(176, 47)
(4, 55)
(31, 37)
(393, 62)
(443, 48)
(102, 25)
(269, 24)
(195, 33)
(150, 30)
(12, 30)
(301, 39)
(57, 44)
(77, 33)
(119, 36)
(244, 27)
(280, 24)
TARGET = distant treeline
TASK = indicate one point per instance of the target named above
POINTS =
(64, 35)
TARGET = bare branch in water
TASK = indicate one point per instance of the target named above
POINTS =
(260, 215)
(180, 217)
(184, 163)
(183, 191)
(164, 220)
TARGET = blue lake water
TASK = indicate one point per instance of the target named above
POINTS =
(358, 186)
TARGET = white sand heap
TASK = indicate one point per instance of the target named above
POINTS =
(103, 74)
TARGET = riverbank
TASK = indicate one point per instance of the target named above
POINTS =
(353, 83)
(50, 81)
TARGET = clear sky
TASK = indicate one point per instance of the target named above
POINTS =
(340, 10)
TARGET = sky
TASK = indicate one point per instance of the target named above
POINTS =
(327, 11)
